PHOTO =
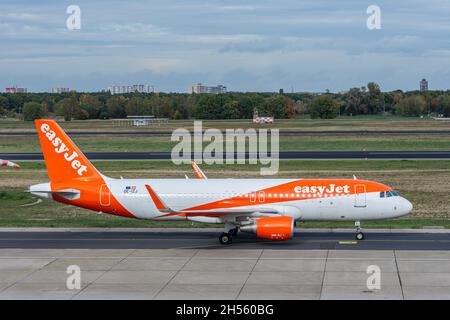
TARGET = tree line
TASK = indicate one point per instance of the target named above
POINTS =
(102, 105)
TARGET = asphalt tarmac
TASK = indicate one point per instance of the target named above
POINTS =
(190, 264)
(208, 239)
(285, 155)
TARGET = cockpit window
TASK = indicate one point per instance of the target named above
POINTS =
(391, 194)
(388, 194)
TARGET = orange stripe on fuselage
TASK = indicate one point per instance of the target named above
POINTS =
(288, 192)
(194, 214)
(90, 196)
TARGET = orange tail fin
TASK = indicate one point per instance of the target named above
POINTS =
(63, 158)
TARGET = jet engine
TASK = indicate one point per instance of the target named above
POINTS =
(272, 228)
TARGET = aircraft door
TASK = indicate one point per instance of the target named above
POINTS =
(262, 196)
(360, 196)
(105, 196)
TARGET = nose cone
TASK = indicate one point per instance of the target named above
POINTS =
(405, 206)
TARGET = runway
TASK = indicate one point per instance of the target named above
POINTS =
(284, 155)
(189, 264)
(281, 132)
(207, 239)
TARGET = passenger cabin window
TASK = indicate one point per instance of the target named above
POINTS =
(382, 194)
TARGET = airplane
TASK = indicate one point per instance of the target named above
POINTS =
(7, 163)
(199, 174)
(268, 208)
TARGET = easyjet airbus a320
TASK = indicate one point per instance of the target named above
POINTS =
(267, 207)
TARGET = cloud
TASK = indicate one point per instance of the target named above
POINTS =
(238, 8)
(22, 16)
(135, 28)
(251, 45)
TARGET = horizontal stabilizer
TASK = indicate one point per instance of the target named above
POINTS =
(43, 190)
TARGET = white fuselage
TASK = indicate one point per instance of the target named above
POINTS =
(180, 194)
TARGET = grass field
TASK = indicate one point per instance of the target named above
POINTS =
(425, 183)
(341, 123)
(294, 142)
(132, 143)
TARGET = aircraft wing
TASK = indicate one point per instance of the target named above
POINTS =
(163, 208)
(243, 211)
(44, 190)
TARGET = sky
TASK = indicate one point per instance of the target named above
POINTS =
(246, 45)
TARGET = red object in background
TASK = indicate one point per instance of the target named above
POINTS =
(6, 163)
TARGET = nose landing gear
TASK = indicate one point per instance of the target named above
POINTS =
(359, 234)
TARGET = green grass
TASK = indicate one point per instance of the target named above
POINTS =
(287, 143)
(285, 165)
(351, 144)
(425, 183)
(52, 214)
(303, 123)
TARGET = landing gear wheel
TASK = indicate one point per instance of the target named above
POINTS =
(359, 236)
(225, 238)
(233, 232)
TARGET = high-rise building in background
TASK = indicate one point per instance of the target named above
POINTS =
(16, 89)
(200, 88)
(59, 90)
(423, 85)
(140, 88)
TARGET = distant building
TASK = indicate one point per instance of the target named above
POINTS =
(60, 90)
(423, 85)
(140, 121)
(200, 88)
(258, 119)
(140, 88)
(15, 89)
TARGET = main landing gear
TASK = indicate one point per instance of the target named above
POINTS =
(233, 232)
(227, 237)
(359, 234)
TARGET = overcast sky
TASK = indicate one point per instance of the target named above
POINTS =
(252, 45)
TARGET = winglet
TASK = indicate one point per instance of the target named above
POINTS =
(198, 172)
(160, 205)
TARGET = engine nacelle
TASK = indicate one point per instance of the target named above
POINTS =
(272, 228)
